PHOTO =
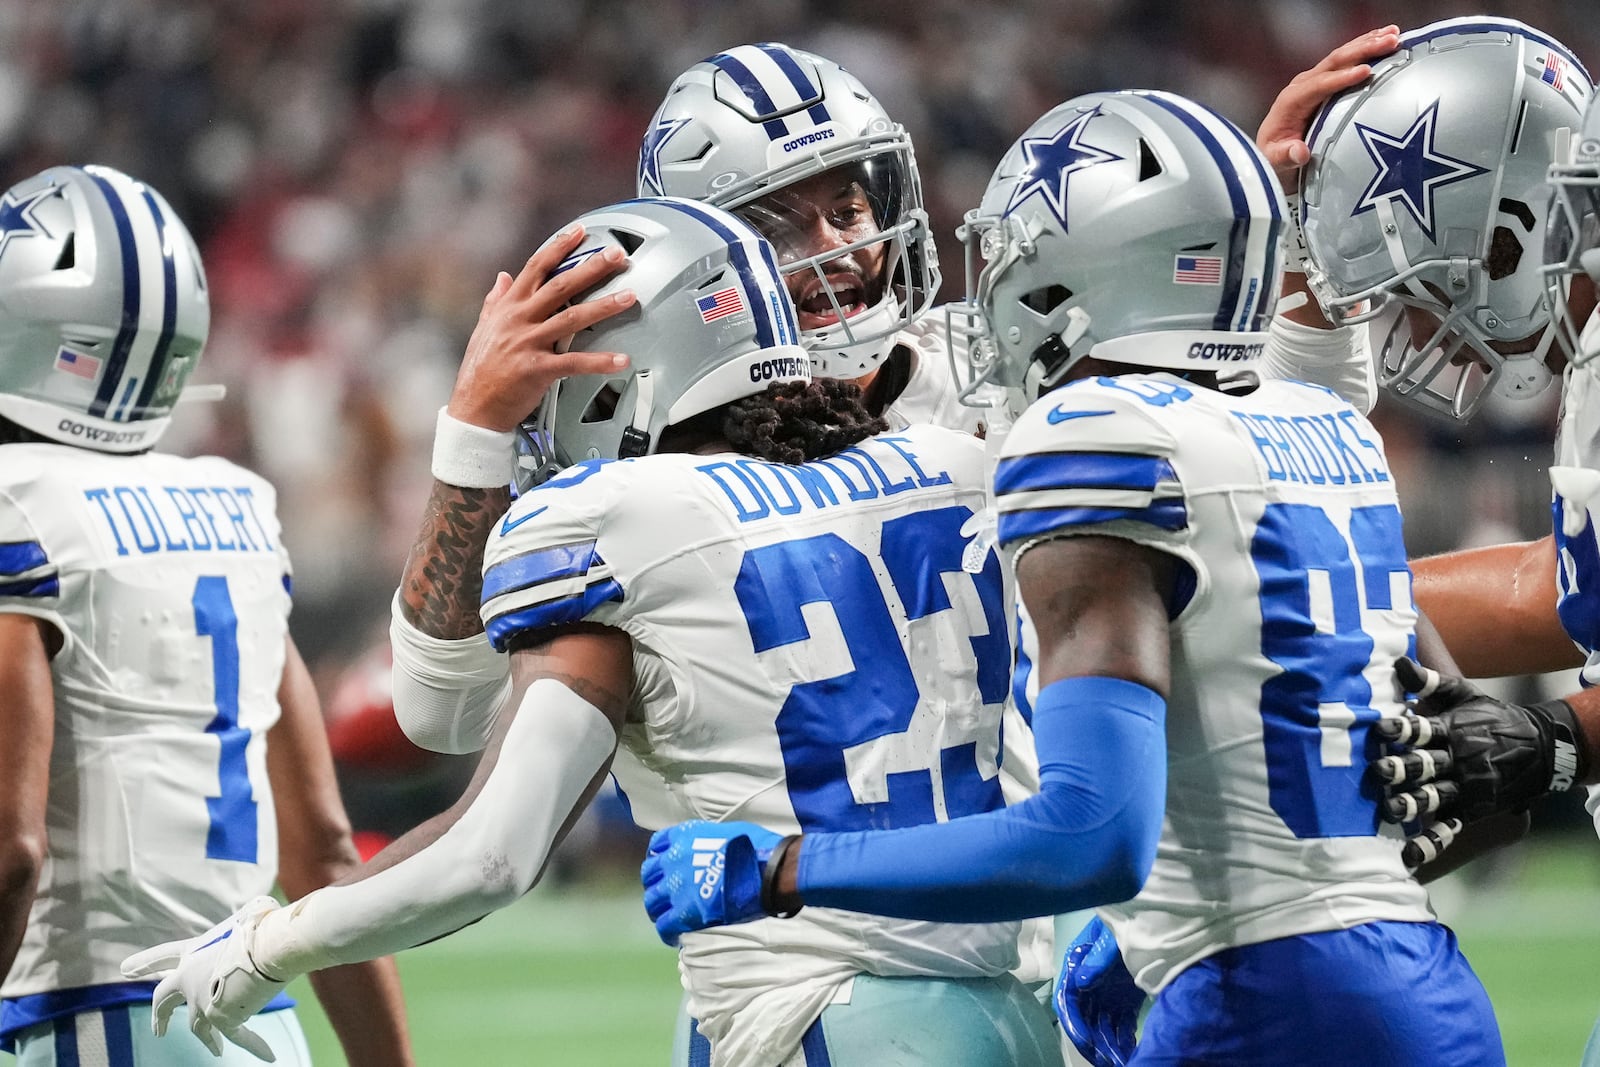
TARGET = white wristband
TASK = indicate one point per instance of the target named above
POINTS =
(470, 456)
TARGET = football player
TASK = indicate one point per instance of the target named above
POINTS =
(165, 754)
(1214, 588)
(801, 149)
(1428, 191)
(763, 613)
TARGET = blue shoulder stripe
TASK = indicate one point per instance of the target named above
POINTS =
(32, 587)
(19, 556)
(1081, 470)
(1166, 514)
(574, 608)
(539, 566)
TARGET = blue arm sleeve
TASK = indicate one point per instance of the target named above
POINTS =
(1088, 838)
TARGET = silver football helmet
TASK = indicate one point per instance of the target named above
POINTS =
(754, 130)
(1136, 227)
(1426, 189)
(713, 323)
(103, 308)
(1572, 235)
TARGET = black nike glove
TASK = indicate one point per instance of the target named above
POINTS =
(1459, 755)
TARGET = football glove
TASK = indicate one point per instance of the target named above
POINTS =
(1459, 755)
(699, 874)
(1096, 998)
(215, 975)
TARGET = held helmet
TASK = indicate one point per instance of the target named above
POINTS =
(103, 308)
(713, 323)
(754, 130)
(1426, 190)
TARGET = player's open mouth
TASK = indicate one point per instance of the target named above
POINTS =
(816, 307)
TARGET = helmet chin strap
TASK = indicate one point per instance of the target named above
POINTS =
(1040, 379)
(636, 437)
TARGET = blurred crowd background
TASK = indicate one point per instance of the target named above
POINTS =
(356, 171)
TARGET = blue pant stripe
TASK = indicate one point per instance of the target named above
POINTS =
(119, 1035)
(699, 1047)
(67, 1041)
(815, 1045)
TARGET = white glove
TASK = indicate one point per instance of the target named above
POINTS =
(216, 976)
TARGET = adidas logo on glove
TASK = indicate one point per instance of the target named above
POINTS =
(708, 863)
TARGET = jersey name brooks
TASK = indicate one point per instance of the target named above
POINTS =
(167, 582)
(755, 595)
(1295, 602)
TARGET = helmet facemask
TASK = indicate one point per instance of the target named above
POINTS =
(1572, 248)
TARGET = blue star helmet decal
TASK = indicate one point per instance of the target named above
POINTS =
(1410, 169)
(1052, 160)
(17, 219)
(650, 154)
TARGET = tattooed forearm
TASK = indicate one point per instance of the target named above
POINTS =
(443, 579)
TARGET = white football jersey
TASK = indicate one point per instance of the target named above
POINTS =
(1575, 481)
(755, 594)
(169, 585)
(1295, 603)
(929, 397)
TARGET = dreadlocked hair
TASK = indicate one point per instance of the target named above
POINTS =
(13, 434)
(796, 422)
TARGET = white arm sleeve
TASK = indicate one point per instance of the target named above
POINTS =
(487, 859)
(1339, 359)
(447, 694)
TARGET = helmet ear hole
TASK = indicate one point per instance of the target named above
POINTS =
(604, 404)
(1044, 300)
(1505, 253)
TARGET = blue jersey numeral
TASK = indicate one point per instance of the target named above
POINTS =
(1317, 712)
(824, 724)
(232, 835)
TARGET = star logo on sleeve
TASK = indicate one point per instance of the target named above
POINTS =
(1051, 161)
(17, 217)
(650, 153)
(1411, 169)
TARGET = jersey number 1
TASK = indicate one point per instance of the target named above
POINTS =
(232, 835)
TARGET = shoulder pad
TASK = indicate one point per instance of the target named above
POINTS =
(1096, 452)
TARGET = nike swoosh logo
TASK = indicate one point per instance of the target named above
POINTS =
(506, 525)
(1060, 415)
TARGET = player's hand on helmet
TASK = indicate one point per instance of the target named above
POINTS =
(1282, 136)
(215, 975)
(1459, 756)
(1096, 998)
(699, 874)
(514, 354)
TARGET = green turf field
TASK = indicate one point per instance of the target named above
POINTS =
(575, 977)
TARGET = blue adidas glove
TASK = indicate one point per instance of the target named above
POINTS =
(699, 874)
(1096, 999)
